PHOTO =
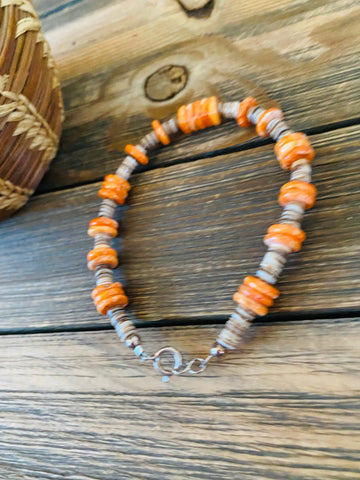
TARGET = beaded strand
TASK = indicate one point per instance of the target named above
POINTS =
(257, 293)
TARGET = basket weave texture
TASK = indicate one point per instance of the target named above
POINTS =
(31, 107)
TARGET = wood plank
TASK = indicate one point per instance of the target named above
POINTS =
(192, 232)
(281, 52)
(286, 406)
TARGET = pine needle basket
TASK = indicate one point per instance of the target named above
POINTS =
(31, 107)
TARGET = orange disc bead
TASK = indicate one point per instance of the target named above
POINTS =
(114, 188)
(261, 286)
(250, 304)
(136, 153)
(298, 191)
(160, 132)
(200, 115)
(284, 234)
(265, 118)
(256, 295)
(213, 111)
(241, 117)
(103, 225)
(102, 256)
(107, 297)
(190, 112)
(182, 116)
(292, 147)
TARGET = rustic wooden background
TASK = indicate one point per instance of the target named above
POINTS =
(74, 404)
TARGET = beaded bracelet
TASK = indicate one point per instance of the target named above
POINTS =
(257, 292)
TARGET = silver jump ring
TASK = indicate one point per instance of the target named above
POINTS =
(177, 359)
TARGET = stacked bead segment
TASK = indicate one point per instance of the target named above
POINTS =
(199, 115)
(107, 297)
(114, 188)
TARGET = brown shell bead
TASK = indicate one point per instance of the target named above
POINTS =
(292, 147)
(102, 256)
(160, 132)
(107, 297)
(284, 235)
(265, 118)
(298, 191)
(242, 114)
(114, 188)
(136, 153)
(103, 225)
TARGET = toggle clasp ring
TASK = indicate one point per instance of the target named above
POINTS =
(177, 359)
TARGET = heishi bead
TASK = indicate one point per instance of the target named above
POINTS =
(272, 264)
(107, 297)
(107, 208)
(126, 167)
(265, 118)
(301, 170)
(266, 276)
(160, 132)
(122, 324)
(298, 191)
(292, 147)
(232, 333)
(198, 115)
(138, 152)
(292, 214)
(103, 275)
(284, 237)
(229, 109)
(102, 256)
(254, 113)
(114, 188)
(243, 110)
(277, 128)
(171, 126)
(102, 240)
(149, 141)
(103, 225)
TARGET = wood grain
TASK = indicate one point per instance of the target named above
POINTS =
(76, 406)
(192, 232)
(303, 57)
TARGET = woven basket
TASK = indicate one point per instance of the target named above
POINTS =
(31, 108)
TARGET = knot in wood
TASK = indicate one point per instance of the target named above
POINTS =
(166, 82)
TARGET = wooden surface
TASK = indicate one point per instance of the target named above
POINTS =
(74, 403)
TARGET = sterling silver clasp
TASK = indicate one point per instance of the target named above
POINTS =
(194, 367)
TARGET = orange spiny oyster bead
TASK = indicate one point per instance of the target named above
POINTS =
(298, 191)
(136, 153)
(160, 132)
(285, 236)
(212, 108)
(256, 295)
(102, 256)
(262, 287)
(103, 225)
(244, 107)
(115, 188)
(109, 296)
(265, 118)
(182, 116)
(250, 304)
(198, 115)
(292, 147)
